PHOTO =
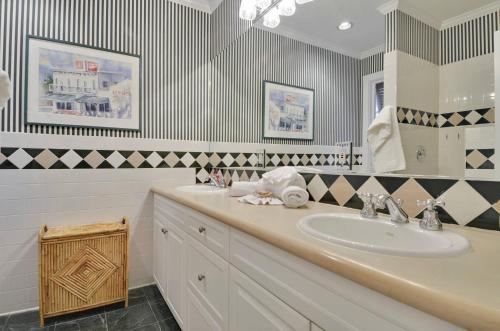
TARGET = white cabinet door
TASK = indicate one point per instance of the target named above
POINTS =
(176, 272)
(198, 318)
(253, 308)
(160, 255)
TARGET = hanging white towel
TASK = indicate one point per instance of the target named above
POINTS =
(385, 144)
(5, 89)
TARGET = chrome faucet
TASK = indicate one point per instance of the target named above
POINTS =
(369, 210)
(431, 220)
(216, 179)
(398, 215)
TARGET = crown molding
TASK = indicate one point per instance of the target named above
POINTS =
(310, 40)
(411, 10)
(372, 51)
(475, 13)
(207, 6)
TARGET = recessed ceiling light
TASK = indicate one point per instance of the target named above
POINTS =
(345, 26)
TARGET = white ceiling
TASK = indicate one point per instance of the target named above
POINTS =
(316, 22)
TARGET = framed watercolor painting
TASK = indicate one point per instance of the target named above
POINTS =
(75, 85)
(288, 111)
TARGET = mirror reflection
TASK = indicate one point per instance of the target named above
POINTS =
(361, 86)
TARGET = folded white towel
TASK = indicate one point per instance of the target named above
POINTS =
(279, 179)
(5, 89)
(255, 199)
(239, 189)
(385, 142)
(294, 196)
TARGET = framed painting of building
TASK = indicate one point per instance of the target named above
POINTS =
(288, 111)
(75, 85)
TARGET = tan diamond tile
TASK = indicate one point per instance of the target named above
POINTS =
(490, 115)
(322, 159)
(476, 159)
(94, 159)
(401, 114)
(135, 159)
(342, 190)
(244, 177)
(304, 159)
(473, 117)
(455, 119)
(418, 117)
(171, 159)
(46, 159)
(410, 192)
(285, 159)
(464, 203)
(317, 188)
(241, 159)
(2, 158)
(372, 186)
(496, 206)
(202, 159)
(215, 159)
(227, 177)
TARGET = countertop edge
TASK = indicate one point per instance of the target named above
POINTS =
(453, 309)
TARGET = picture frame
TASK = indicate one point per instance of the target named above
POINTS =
(287, 111)
(74, 85)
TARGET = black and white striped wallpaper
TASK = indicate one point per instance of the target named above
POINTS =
(412, 36)
(469, 39)
(258, 55)
(372, 64)
(226, 26)
(173, 41)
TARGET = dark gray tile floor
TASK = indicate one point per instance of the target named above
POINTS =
(147, 311)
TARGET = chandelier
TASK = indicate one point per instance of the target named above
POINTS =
(250, 8)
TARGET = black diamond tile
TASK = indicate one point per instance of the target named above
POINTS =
(482, 111)
(105, 165)
(487, 220)
(126, 154)
(488, 152)
(163, 154)
(105, 153)
(180, 154)
(130, 318)
(83, 165)
(356, 180)
(328, 179)
(125, 165)
(354, 202)
(328, 198)
(145, 164)
(436, 187)
(145, 154)
(391, 184)
(33, 165)
(8, 151)
(7, 165)
(483, 120)
(33, 152)
(489, 190)
(83, 152)
(487, 165)
(58, 151)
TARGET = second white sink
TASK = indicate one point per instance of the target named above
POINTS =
(383, 236)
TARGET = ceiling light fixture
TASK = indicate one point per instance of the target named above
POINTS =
(345, 26)
(250, 8)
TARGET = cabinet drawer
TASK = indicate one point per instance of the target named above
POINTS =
(208, 276)
(167, 210)
(210, 233)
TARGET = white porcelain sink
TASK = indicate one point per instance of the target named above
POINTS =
(201, 189)
(382, 236)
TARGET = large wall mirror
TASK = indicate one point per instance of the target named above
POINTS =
(341, 64)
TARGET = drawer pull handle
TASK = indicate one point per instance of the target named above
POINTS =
(201, 277)
(164, 231)
(201, 229)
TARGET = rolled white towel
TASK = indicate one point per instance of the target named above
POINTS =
(279, 179)
(239, 189)
(294, 196)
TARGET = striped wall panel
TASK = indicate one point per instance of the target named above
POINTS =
(238, 73)
(407, 34)
(173, 41)
(226, 26)
(469, 39)
(372, 64)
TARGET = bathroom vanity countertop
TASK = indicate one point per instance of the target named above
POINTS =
(464, 290)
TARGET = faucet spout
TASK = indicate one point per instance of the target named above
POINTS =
(398, 215)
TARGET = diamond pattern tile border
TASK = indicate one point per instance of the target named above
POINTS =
(467, 117)
(342, 190)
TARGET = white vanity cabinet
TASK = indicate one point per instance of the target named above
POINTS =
(214, 277)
